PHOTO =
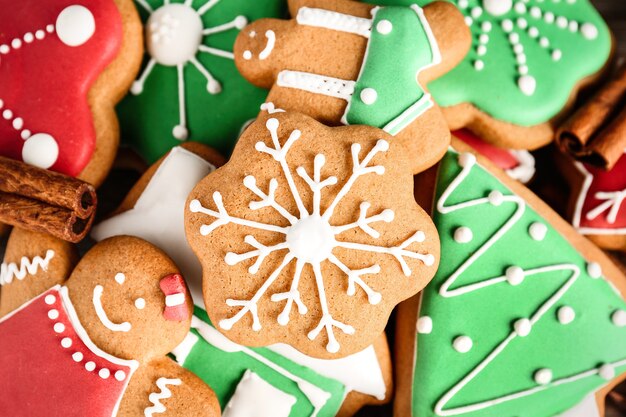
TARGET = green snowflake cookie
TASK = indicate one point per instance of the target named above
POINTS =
(527, 56)
(516, 323)
(189, 88)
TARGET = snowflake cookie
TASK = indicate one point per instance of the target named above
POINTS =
(95, 343)
(526, 318)
(63, 66)
(189, 88)
(310, 235)
(528, 58)
(343, 61)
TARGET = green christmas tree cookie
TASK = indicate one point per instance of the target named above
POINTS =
(189, 88)
(517, 322)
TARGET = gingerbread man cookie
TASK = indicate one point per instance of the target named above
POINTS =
(292, 384)
(64, 65)
(188, 69)
(527, 62)
(352, 63)
(526, 316)
(310, 235)
(96, 344)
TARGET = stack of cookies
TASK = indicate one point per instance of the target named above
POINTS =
(300, 208)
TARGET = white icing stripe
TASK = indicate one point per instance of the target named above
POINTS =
(163, 393)
(316, 396)
(317, 84)
(102, 315)
(174, 300)
(467, 161)
(26, 267)
(334, 20)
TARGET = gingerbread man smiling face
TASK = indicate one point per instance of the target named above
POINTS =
(100, 340)
(352, 63)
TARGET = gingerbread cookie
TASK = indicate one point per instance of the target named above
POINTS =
(524, 314)
(65, 64)
(188, 69)
(96, 344)
(596, 207)
(309, 235)
(527, 63)
(305, 385)
(346, 62)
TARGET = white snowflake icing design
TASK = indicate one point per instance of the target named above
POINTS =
(174, 37)
(310, 237)
(518, 20)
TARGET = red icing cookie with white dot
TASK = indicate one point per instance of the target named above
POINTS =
(95, 344)
(64, 64)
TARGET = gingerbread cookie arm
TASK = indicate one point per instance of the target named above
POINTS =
(163, 388)
(33, 263)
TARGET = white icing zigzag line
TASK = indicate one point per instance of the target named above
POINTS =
(467, 161)
(26, 267)
(156, 397)
(306, 231)
(165, 23)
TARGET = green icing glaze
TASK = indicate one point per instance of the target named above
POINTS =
(487, 314)
(400, 44)
(222, 371)
(529, 39)
(148, 119)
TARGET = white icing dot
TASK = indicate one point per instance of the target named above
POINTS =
(497, 7)
(544, 42)
(514, 275)
(424, 325)
(573, 26)
(527, 84)
(4, 49)
(120, 375)
(66, 342)
(7, 114)
(495, 198)
(140, 303)
(566, 315)
(543, 376)
(520, 7)
(533, 32)
(104, 373)
(247, 55)
(75, 25)
(50, 28)
(463, 234)
(535, 12)
(606, 371)
(40, 150)
(476, 12)
(50, 299)
(522, 23)
(619, 318)
(90, 366)
(18, 123)
(40, 34)
(561, 22)
(484, 38)
(522, 69)
(514, 38)
(556, 55)
(507, 25)
(549, 17)
(120, 278)
(462, 344)
(77, 356)
(589, 31)
(16, 43)
(594, 270)
(486, 26)
(538, 231)
(29, 37)
(180, 132)
(463, 4)
(369, 96)
(384, 27)
(467, 159)
(479, 65)
(481, 50)
(468, 21)
(25, 134)
(53, 314)
(59, 327)
(522, 327)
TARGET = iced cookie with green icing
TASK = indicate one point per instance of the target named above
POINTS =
(527, 62)
(189, 88)
(352, 63)
(277, 381)
(525, 318)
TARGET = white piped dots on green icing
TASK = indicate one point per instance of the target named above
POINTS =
(463, 234)
(607, 372)
(619, 318)
(384, 27)
(369, 96)
(424, 325)
(543, 376)
(594, 270)
(514, 275)
(566, 314)
(538, 231)
(522, 327)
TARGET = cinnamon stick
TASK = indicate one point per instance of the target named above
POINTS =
(596, 133)
(47, 186)
(45, 201)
